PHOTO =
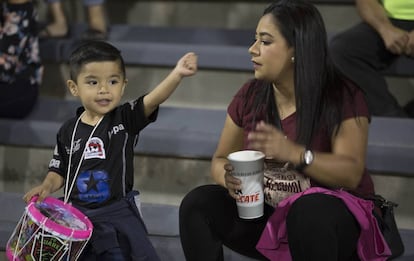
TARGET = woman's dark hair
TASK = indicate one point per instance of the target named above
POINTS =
(93, 51)
(319, 86)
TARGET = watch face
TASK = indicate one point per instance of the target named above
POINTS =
(308, 157)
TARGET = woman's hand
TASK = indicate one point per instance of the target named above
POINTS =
(271, 141)
(232, 183)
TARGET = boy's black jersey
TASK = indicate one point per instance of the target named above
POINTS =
(106, 172)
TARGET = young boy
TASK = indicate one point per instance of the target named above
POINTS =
(93, 158)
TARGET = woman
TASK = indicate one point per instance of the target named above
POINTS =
(298, 109)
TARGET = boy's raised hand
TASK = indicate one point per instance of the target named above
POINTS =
(187, 65)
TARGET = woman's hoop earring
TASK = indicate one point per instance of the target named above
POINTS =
(293, 59)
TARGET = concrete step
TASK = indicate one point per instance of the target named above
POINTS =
(162, 224)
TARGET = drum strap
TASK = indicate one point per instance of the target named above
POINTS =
(68, 190)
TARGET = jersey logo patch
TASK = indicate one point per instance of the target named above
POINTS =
(95, 149)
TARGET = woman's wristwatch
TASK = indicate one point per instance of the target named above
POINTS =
(307, 159)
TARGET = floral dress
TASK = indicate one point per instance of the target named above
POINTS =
(19, 45)
(21, 69)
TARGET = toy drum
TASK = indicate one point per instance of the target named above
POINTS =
(49, 230)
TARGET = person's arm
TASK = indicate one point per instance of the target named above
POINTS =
(343, 167)
(186, 66)
(373, 13)
(50, 184)
(231, 140)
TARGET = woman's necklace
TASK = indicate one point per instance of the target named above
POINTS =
(280, 111)
(284, 104)
(281, 117)
(68, 190)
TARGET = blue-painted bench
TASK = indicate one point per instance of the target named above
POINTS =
(390, 143)
(390, 150)
(217, 48)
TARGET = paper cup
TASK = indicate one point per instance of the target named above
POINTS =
(248, 167)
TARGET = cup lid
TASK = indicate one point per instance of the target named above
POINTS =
(246, 155)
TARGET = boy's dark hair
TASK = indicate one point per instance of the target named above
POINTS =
(93, 51)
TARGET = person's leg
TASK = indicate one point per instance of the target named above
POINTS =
(320, 227)
(409, 108)
(58, 27)
(208, 219)
(87, 254)
(119, 234)
(131, 232)
(114, 254)
(96, 20)
(17, 99)
(360, 54)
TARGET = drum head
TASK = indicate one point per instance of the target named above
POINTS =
(60, 218)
